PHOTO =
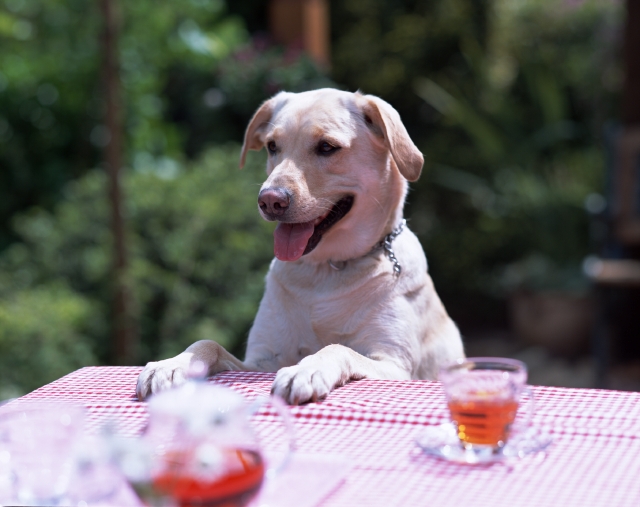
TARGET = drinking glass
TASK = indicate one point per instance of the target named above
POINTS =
(95, 478)
(199, 448)
(483, 395)
(36, 442)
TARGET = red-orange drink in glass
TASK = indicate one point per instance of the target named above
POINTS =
(235, 487)
(483, 394)
(483, 421)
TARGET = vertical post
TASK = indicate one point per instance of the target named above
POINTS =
(627, 154)
(302, 23)
(631, 91)
(124, 336)
(316, 34)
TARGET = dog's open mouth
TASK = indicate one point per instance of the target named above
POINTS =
(292, 241)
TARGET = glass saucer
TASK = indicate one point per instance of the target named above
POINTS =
(442, 441)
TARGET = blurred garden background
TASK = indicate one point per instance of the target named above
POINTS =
(507, 99)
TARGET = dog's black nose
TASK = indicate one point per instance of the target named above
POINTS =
(273, 201)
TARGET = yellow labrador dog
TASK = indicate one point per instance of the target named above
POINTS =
(348, 295)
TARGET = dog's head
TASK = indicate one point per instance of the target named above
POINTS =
(337, 171)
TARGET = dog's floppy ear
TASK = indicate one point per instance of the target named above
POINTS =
(385, 123)
(252, 136)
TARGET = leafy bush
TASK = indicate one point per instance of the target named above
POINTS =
(52, 97)
(258, 71)
(199, 251)
(42, 337)
(525, 124)
(215, 107)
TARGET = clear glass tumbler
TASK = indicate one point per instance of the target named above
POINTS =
(483, 395)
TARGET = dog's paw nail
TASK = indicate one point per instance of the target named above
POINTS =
(160, 376)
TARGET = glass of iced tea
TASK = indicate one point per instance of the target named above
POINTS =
(200, 449)
(483, 394)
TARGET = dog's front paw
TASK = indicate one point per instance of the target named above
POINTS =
(161, 375)
(301, 384)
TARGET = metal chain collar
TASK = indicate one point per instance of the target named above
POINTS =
(385, 244)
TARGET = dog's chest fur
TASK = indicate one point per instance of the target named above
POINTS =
(340, 306)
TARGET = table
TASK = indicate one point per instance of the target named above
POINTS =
(593, 461)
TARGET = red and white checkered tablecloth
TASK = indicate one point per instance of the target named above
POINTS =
(594, 460)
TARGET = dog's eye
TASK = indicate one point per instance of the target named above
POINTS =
(324, 148)
(272, 147)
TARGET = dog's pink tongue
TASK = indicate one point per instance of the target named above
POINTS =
(290, 240)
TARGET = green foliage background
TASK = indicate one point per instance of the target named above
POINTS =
(198, 258)
(505, 98)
